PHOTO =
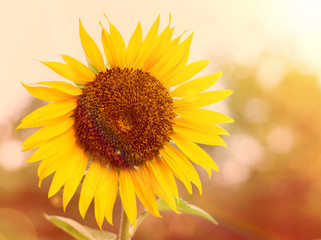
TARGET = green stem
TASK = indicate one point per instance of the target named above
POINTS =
(124, 227)
(138, 222)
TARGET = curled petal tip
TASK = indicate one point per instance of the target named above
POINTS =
(106, 17)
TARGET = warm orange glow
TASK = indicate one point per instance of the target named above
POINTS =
(268, 186)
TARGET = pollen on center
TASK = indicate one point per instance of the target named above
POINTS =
(124, 117)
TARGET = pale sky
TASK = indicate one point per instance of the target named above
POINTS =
(225, 31)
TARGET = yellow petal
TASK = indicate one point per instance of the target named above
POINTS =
(177, 61)
(195, 86)
(56, 161)
(144, 190)
(106, 40)
(44, 123)
(67, 147)
(187, 73)
(46, 133)
(127, 195)
(118, 46)
(89, 187)
(148, 44)
(63, 87)
(195, 153)
(47, 94)
(47, 167)
(134, 47)
(202, 99)
(163, 183)
(73, 182)
(50, 111)
(101, 196)
(53, 146)
(92, 51)
(199, 136)
(79, 69)
(182, 166)
(161, 47)
(112, 183)
(205, 128)
(201, 116)
(66, 171)
(167, 55)
(64, 70)
(176, 168)
(168, 175)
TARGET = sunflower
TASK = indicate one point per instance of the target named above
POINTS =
(120, 127)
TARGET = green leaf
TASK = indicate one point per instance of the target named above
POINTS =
(92, 67)
(80, 85)
(79, 231)
(185, 207)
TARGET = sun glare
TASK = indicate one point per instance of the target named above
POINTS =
(304, 23)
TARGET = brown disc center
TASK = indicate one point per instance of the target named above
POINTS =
(124, 117)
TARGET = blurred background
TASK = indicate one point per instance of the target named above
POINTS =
(269, 183)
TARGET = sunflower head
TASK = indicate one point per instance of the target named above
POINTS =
(124, 117)
(121, 121)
